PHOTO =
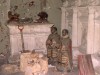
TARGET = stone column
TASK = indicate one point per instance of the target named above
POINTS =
(79, 26)
(91, 31)
(75, 28)
(79, 2)
(97, 38)
(97, 31)
(64, 19)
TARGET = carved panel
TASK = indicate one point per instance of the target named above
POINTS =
(34, 36)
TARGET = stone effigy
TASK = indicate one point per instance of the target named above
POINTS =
(33, 63)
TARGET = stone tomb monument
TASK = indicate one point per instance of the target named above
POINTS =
(34, 36)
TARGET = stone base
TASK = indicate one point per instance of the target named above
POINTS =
(33, 63)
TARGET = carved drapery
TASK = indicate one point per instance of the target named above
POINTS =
(63, 20)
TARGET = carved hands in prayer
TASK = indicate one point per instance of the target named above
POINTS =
(49, 42)
(52, 44)
(63, 48)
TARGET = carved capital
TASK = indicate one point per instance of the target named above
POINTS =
(75, 10)
(91, 10)
(63, 9)
(65, 4)
(79, 2)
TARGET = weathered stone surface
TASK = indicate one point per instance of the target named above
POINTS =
(14, 59)
(33, 63)
(8, 68)
(34, 37)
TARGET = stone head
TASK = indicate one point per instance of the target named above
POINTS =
(64, 32)
(53, 30)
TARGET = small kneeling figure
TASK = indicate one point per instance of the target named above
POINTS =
(65, 53)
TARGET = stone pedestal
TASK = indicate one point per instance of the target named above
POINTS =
(34, 36)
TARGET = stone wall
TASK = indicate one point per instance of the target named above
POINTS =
(25, 10)
(4, 33)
